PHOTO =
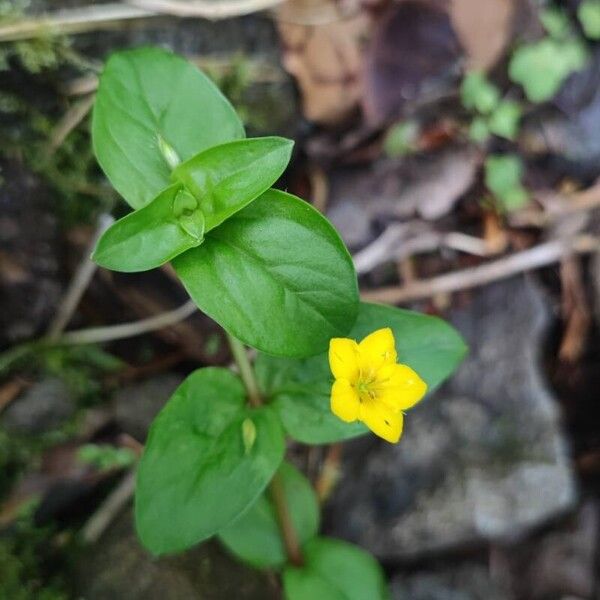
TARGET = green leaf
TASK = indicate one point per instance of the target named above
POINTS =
(275, 275)
(335, 570)
(542, 67)
(503, 174)
(504, 121)
(300, 390)
(151, 236)
(226, 178)
(478, 130)
(256, 538)
(556, 22)
(588, 13)
(401, 138)
(196, 474)
(478, 93)
(149, 99)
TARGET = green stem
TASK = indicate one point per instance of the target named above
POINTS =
(288, 533)
(246, 371)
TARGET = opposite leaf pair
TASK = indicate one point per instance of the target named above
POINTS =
(256, 260)
(209, 188)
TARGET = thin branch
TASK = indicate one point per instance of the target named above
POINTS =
(104, 16)
(211, 10)
(559, 205)
(73, 117)
(533, 258)
(330, 473)
(83, 275)
(74, 20)
(109, 509)
(402, 240)
(96, 335)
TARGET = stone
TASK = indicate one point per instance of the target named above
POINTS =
(44, 407)
(467, 581)
(559, 563)
(118, 567)
(481, 459)
(136, 405)
(30, 284)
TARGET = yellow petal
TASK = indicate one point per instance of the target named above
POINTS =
(399, 387)
(343, 358)
(344, 401)
(377, 349)
(382, 421)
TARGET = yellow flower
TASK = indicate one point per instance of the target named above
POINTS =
(370, 386)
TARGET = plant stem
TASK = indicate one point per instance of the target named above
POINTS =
(246, 370)
(288, 533)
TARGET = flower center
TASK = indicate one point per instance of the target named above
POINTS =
(365, 390)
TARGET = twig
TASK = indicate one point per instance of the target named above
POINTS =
(211, 10)
(259, 71)
(582, 201)
(74, 20)
(68, 123)
(96, 335)
(109, 509)
(402, 240)
(10, 390)
(330, 473)
(576, 312)
(83, 275)
(533, 258)
(80, 86)
(320, 187)
(102, 16)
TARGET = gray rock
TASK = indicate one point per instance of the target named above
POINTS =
(483, 459)
(468, 581)
(135, 406)
(560, 563)
(45, 406)
(30, 284)
(118, 568)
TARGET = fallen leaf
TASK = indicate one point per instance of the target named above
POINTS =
(413, 58)
(327, 61)
(484, 29)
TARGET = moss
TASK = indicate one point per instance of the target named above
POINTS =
(24, 559)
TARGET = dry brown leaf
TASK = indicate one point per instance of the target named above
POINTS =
(484, 28)
(327, 61)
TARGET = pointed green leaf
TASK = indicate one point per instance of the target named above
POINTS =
(256, 537)
(335, 570)
(275, 275)
(150, 99)
(151, 236)
(226, 178)
(300, 389)
(197, 474)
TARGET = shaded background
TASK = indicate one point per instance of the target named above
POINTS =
(493, 492)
